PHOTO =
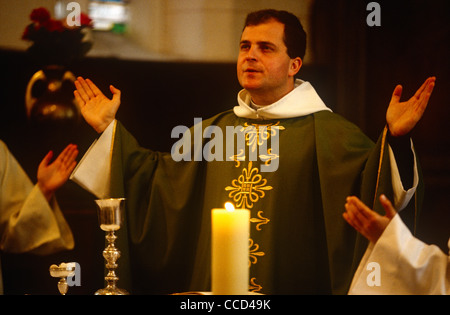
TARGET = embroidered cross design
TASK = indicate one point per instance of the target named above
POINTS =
(248, 188)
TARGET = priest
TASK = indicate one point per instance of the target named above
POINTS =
(299, 243)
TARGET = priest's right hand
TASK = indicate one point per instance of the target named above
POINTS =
(98, 110)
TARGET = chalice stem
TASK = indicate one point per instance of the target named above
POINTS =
(111, 254)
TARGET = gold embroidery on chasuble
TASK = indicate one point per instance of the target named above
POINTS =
(258, 134)
(260, 220)
(251, 186)
(248, 188)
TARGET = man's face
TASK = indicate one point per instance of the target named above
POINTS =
(264, 68)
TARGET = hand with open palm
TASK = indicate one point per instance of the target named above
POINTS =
(51, 176)
(366, 221)
(98, 110)
(401, 117)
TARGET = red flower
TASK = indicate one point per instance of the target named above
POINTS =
(53, 41)
(85, 19)
(53, 25)
(40, 15)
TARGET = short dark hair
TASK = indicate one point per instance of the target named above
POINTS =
(294, 34)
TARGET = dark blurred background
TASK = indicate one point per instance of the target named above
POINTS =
(355, 71)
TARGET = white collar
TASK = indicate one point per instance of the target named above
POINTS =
(302, 100)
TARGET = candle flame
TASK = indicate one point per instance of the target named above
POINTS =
(229, 206)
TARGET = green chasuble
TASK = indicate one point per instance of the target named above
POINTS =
(299, 242)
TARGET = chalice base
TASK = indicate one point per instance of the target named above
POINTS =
(111, 291)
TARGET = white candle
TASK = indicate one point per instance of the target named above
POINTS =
(230, 240)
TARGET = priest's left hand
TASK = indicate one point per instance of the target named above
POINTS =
(401, 117)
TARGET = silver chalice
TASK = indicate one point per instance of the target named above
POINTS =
(110, 219)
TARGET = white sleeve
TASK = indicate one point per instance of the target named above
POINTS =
(402, 196)
(93, 172)
(27, 221)
(399, 263)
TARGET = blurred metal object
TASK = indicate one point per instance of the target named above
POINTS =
(49, 97)
(62, 271)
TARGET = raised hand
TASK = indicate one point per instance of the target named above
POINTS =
(366, 221)
(98, 110)
(401, 117)
(51, 176)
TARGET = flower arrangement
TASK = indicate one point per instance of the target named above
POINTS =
(54, 41)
